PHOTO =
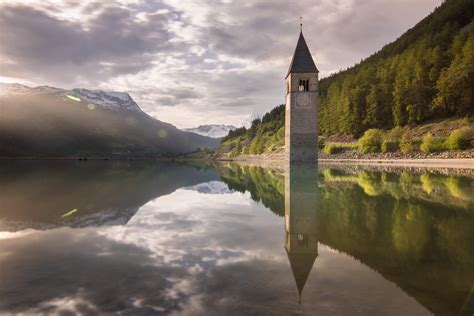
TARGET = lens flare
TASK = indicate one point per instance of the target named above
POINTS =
(70, 213)
(162, 133)
(72, 97)
(91, 106)
(131, 121)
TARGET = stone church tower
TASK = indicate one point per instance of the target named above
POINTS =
(302, 104)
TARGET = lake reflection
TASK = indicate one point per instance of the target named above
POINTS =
(166, 238)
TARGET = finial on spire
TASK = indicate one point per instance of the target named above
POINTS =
(301, 24)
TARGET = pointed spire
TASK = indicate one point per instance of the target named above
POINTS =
(302, 60)
(301, 265)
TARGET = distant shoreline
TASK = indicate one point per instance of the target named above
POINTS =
(78, 159)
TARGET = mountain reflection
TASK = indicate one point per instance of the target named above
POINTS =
(413, 227)
(42, 194)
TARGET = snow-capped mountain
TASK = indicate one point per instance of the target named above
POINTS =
(212, 130)
(112, 100)
(211, 187)
(108, 99)
(50, 122)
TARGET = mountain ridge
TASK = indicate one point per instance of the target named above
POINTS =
(114, 100)
(47, 121)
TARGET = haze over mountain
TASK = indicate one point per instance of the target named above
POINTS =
(54, 122)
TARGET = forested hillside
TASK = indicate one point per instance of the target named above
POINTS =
(426, 74)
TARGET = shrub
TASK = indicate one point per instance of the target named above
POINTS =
(371, 141)
(389, 146)
(331, 149)
(391, 140)
(431, 144)
(233, 153)
(395, 134)
(281, 132)
(238, 147)
(257, 146)
(334, 148)
(407, 145)
(321, 140)
(459, 139)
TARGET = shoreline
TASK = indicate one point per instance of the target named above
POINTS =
(464, 163)
(355, 167)
(452, 163)
(278, 160)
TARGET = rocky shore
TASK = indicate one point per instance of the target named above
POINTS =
(460, 159)
(354, 154)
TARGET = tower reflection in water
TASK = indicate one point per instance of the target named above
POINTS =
(301, 198)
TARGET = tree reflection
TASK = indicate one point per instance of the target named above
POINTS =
(414, 228)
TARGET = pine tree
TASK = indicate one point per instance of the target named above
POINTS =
(238, 147)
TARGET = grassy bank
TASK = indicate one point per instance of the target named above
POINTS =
(451, 138)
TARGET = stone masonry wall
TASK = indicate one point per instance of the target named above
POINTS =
(301, 119)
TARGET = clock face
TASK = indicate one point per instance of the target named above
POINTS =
(302, 100)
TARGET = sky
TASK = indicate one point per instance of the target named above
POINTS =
(192, 62)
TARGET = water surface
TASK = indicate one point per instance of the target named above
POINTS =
(167, 238)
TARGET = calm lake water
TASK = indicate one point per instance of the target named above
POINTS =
(166, 238)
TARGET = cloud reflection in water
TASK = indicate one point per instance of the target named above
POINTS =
(184, 253)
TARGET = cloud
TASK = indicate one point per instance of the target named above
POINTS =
(112, 43)
(192, 62)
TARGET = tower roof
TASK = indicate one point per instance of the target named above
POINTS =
(301, 265)
(302, 60)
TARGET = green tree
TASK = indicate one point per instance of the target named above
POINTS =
(238, 147)
(256, 145)
(455, 85)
